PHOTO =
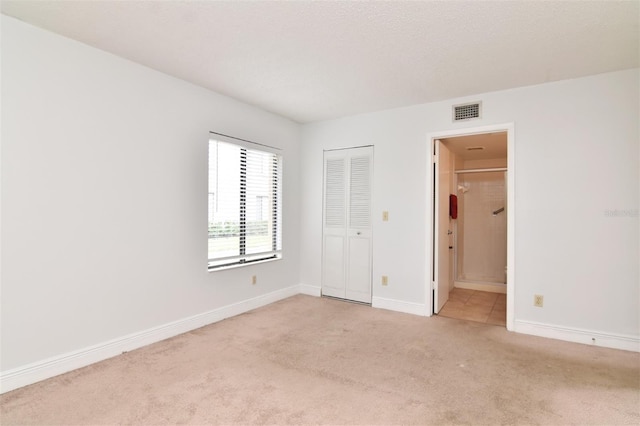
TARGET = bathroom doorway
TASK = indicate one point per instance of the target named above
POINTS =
(473, 235)
(480, 235)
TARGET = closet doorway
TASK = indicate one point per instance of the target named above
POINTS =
(472, 253)
(346, 229)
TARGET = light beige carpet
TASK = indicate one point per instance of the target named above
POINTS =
(307, 360)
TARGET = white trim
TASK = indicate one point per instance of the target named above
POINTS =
(489, 170)
(400, 306)
(44, 369)
(576, 335)
(481, 286)
(511, 227)
(41, 370)
(311, 290)
(242, 265)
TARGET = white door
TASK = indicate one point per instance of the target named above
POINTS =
(346, 237)
(442, 225)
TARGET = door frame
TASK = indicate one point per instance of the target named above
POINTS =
(440, 222)
(347, 236)
(511, 190)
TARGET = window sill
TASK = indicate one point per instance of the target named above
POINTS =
(242, 265)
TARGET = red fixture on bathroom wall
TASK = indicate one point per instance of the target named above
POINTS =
(453, 206)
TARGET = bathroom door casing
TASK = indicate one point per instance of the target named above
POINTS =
(442, 226)
(346, 229)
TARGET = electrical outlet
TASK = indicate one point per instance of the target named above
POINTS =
(538, 300)
(385, 280)
(254, 279)
(385, 216)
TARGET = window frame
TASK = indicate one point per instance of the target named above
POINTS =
(275, 195)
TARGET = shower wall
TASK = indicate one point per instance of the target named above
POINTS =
(481, 255)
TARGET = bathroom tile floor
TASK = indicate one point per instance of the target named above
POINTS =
(479, 306)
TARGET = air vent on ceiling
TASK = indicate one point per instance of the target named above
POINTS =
(466, 111)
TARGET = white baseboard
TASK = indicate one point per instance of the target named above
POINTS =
(310, 290)
(481, 286)
(400, 306)
(41, 370)
(587, 337)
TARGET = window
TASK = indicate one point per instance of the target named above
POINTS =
(244, 202)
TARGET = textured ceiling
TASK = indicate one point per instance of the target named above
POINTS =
(312, 61)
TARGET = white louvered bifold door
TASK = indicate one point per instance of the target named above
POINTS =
(346, 255)
(334, 234)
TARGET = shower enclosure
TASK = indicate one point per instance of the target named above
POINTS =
(481, 234)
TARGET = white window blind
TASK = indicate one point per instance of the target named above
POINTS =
(245, 202)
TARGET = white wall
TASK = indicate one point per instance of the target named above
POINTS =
(103, 213)
(104, 197)
(576, 157)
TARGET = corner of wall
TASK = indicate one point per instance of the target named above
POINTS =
(310, 290)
